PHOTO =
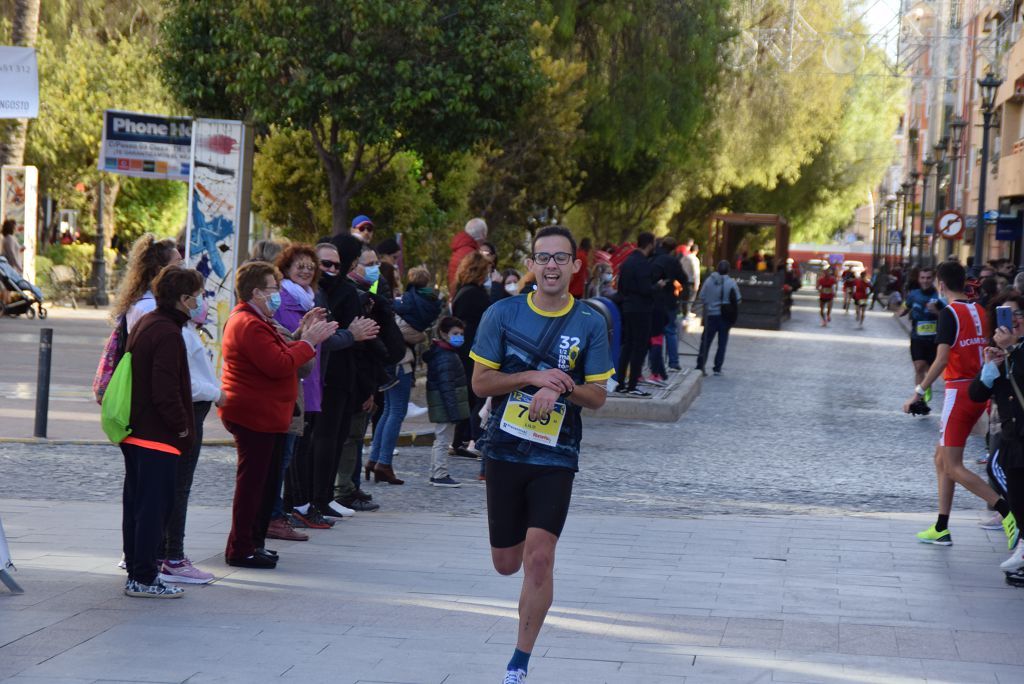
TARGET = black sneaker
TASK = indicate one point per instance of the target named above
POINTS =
(1015, 579)
(359, 505)
(638, 393)
(363, 496)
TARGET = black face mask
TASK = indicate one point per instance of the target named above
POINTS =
(327, 280)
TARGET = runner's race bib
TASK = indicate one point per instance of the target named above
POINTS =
(516, 420)
(927, 328)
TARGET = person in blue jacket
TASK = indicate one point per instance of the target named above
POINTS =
(447, 394)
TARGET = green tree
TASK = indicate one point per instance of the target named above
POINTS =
(78, 81)
(533, 167)
(368, 79)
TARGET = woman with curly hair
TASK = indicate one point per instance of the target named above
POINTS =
(146, 259)
(469, 303)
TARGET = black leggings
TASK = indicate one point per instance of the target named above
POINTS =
(1015, 491)
(636, 339)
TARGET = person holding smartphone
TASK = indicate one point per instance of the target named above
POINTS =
(1001, 379)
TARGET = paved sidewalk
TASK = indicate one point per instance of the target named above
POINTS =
(412, 598)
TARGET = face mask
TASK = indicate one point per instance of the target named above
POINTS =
(198, 314)
(512, 288)
(273, 302)
(371, 273)
(456, 340)
(606, 277)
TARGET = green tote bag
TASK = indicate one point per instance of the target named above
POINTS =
(116, 411)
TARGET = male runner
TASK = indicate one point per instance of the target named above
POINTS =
(923, 307)
(861, 289)
(543, 357)
(848, 277)
(963, 333)
(826, 293)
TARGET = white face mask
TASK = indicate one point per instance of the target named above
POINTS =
(511, 288)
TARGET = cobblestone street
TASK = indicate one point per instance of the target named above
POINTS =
(804, 419)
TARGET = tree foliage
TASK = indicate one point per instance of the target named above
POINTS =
(368, 79)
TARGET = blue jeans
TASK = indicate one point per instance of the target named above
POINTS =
(672, 340)
(396, 405)
(290, 441)
(713, 325)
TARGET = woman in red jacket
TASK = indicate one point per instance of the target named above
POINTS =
(260, 388)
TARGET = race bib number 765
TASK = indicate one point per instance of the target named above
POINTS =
(516, 420)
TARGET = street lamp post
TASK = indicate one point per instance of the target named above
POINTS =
(989, 84)
(890, 211)
(957, 126)
(928, 165)
(915, 176)
(940, 154)
(906, 185)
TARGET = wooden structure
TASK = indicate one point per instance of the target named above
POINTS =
(762, 294)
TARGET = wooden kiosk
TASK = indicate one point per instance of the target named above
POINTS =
(762, 305)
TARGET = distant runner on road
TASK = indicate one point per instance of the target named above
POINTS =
(861, 289)
(923, 305)
(544, 357)
(826, 293)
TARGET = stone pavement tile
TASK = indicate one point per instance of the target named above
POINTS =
(1009, 675)
(714, 669)
(19, 623)
(915, 642)
(867, 640)
(989, 647)
(942, 671)
(809, 637)
(46, 643)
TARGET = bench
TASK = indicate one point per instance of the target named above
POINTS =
(64, 281)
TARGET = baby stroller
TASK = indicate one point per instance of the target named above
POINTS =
(23, 295)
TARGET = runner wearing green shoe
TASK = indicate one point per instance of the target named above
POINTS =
(962, 335)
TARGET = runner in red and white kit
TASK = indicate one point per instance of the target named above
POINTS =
(861, 289)
(826, 293)
(963, 333)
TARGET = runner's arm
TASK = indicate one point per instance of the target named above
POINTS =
(491, 382)
(591, 395)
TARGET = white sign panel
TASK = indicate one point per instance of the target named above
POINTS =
(19, 83)
(19, 200)
(218, 214)
(146, 145)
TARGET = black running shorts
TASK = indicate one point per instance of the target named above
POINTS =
(522, 495)
(922, 350)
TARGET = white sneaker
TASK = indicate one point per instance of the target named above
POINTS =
(346, 512)
(993, 523)
(415, 411)
(1016, 561)
(514, 677)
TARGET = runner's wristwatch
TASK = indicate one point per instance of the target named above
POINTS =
(920, 391)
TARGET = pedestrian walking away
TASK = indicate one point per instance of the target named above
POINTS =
(962, 335)
(719, 293)
(543, 357)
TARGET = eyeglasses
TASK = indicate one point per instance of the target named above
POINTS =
(1018, 313)
(365, 228)
(561, 258)
(372, 263)
(328, 264)
(306, 266)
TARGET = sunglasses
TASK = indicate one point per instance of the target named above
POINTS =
(365, 228)
(327, 263)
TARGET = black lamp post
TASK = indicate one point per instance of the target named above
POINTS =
(890, 210)
(928, 164)
(956, 127)
(906, 185)
(915, 176)
(940, 166)
(989, 84)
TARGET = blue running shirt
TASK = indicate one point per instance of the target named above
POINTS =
(515, 336)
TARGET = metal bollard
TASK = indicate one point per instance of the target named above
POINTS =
(43, 381)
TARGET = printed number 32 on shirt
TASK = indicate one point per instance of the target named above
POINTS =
(516, 420)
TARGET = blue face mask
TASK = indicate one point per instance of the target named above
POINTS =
(456, 340)
(372, 273)
(273, 302)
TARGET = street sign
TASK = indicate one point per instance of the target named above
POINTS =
(1008, 227)
(951, 225)
(991, 215)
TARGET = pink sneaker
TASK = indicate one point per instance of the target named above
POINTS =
(183, 572)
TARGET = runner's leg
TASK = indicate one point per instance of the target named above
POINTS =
(951, 461)
(538, 585)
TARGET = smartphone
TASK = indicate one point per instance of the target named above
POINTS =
(1004, 317)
